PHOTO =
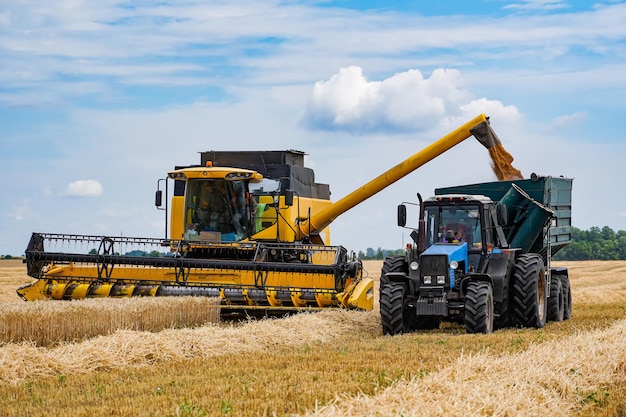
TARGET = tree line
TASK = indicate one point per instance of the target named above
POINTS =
(593, 244)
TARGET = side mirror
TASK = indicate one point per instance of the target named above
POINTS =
(158, 198)
(503, 215)
(289, 198)
(401, 215)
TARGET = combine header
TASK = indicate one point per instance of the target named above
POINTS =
(249, 227)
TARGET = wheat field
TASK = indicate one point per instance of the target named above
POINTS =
(332, 363)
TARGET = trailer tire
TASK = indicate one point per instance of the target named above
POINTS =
(479, 308)
(556, 301)
(392, 314)
(567, 297)
(530, 294)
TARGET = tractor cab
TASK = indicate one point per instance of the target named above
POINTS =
(456, 219)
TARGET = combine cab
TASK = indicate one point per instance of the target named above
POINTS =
(251, 228)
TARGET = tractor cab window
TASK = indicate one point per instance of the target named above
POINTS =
(216, 209)
(452, 224)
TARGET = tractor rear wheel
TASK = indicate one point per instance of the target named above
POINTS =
(392, 313)
(530, 294)
(479, 310)
(556, 301)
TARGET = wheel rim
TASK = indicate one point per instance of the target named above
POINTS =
(541, 297)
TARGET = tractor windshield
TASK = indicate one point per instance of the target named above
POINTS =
(452, 224)
(217, 210)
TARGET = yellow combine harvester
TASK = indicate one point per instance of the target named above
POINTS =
(248, 227)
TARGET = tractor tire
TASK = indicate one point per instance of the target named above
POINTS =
(392, 264)
(567, 297)
(392, 313)
(479, 309)
(556, 301)
(530, 295)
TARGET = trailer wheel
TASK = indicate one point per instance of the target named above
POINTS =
(479, 307)
(530, 294)
(392, 313)
(556, 301)
(567, 297)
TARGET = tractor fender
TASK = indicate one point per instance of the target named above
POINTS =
(397, 276)
(474, 278)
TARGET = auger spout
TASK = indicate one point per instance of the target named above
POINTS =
(478, 127)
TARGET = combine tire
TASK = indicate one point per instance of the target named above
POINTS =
(556, 301)
(530, 294)
(392, 313)
(479, 308)
(567, 297)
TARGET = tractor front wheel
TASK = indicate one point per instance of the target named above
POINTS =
(392, 308)
(479, 308)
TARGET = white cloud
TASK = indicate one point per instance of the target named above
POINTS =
(21, 212)
(534, 5)
(404, 102)
(5, 19)
(83, 188)
(568, 121)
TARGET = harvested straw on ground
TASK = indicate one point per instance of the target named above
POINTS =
(126, 348)
(536, 382)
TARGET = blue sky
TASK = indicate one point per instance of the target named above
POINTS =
(98, 100)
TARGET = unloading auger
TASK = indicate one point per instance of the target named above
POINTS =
(251, 228)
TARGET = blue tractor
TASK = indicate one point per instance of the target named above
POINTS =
(481, 256)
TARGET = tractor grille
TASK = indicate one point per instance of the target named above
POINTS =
(434, 265)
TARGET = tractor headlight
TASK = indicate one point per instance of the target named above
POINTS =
(454, 264)
(441, 279)
(428, 279)
(414, 266)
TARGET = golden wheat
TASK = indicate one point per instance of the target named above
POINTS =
(45, 323)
